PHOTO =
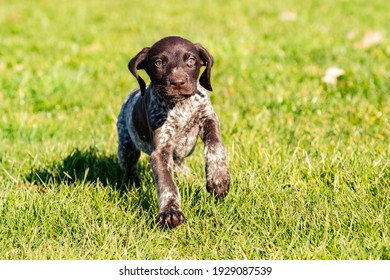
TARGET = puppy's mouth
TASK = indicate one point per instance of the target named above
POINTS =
(174, 93)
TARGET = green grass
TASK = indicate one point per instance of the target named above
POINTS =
(310, 162)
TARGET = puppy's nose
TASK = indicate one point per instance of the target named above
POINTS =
(177, 82)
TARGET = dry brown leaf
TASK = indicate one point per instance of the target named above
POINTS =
(332, 74)
(371, 38)
(32, 187)
(288, 16)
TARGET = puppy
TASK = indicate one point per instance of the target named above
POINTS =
(165, 119)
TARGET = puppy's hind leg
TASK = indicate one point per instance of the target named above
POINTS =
(128, 155)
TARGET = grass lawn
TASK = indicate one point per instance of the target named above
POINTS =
(309, 161)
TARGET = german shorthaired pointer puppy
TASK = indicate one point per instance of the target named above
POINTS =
(165, 119)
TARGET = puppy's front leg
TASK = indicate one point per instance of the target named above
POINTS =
(161, 161)
(217, 173)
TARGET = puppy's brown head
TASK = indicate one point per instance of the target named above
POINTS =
(173, 65)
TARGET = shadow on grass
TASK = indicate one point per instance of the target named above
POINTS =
(88, 166)
(93, 167)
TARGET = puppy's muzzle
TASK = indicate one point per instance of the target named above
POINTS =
(179, 85)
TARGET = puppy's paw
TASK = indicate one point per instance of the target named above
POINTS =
(170, 218)
(219, 186)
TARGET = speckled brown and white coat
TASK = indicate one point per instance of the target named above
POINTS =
(165, 119)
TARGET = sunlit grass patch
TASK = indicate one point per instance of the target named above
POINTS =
(309, 160)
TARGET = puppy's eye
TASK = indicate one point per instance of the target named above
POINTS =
(158, 62)
(191, 61)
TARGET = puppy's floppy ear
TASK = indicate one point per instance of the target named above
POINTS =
(139, 62)
(208, 61)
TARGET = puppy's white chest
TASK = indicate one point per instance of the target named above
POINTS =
(180, 131)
